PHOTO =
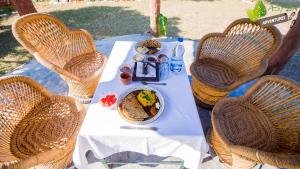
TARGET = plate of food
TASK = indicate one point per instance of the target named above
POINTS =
(140, 105)
(149, 47)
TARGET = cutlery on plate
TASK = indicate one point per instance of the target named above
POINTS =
(139, 128)
(153, 83)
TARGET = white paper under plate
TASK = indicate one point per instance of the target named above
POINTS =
(139, 71)
(159, 96)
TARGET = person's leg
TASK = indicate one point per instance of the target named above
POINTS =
(290, 45)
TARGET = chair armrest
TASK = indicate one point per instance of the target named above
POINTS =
(203, 44)
(82, 42)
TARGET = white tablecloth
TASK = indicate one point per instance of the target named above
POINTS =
(179, 132)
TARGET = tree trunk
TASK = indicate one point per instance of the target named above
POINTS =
(4, 2)
(154, 22)
(290, 45)
(23, 6)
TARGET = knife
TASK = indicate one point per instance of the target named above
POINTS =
(153, 83)
(139, 128)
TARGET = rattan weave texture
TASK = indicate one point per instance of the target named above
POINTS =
(70, 53)
(37, 129)
(226, 60)
(263, 126)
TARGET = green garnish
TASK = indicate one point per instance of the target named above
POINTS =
(147, 97)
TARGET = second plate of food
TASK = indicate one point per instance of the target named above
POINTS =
(140, 105)
(148, 47)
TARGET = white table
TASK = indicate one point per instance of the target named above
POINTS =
(179, 132)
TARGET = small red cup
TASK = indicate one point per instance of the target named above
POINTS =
(125, 78)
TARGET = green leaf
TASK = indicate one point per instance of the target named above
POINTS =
(251, 14)
(261, 8)
(258, 11)
(163, 24)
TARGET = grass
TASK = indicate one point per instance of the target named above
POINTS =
(101, 21)
(6, 10)
(12, 55)
(105, 21)
(191, 19)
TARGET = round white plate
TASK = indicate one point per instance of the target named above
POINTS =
(138, 44)
(159, 96)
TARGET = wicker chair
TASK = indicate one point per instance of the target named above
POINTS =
(37, 129)
(226, 60)
(70, 53)
(263, 126)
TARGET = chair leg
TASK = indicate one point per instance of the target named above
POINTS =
(206, 94)
(83, 91)
(201, 104)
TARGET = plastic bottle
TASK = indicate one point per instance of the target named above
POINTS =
(177, 57)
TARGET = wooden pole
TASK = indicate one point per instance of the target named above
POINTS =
(154, 22)
(290, 45)
(23, 6)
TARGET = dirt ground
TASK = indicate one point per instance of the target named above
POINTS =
(186, 18)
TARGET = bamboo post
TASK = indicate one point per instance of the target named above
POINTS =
(154, 22)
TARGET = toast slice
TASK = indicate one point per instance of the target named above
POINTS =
(132, 109)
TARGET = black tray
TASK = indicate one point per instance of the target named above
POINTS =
(153, 79)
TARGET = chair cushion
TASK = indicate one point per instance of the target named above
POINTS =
(214, 73)
(85, 66)
(241, 123)
(49, 125)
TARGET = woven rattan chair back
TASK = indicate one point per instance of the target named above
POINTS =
(280, 101)
(50, 38)
(244, 46)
